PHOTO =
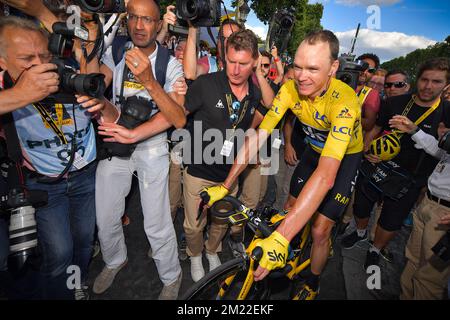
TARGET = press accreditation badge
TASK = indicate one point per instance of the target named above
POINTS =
(227, 148)
(79, 162)
(276, 143)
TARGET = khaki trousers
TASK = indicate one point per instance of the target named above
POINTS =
(175, 188)
(425, 276)
(193, 228)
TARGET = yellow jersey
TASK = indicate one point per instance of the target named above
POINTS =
(332, 122)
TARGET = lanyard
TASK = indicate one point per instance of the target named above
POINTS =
(422, 117)
(230, 110)
(49, 120)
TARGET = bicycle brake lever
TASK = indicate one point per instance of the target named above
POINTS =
(205, 199)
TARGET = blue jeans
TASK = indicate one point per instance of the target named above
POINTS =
(66, 229)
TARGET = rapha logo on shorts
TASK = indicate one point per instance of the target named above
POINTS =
(219, 104)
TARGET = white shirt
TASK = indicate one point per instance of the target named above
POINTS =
(174, 71)
(439, 181)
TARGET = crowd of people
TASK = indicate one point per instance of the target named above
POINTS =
(217, 123)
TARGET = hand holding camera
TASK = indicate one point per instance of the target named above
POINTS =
(140, 65)
(169, 18)
(38, 82)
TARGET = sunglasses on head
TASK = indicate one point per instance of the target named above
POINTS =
(398, 84)
(235, 106)
(372, 70)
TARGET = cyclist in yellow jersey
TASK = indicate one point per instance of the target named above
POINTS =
(330, 115)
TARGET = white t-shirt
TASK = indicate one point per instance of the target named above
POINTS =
(133, 88)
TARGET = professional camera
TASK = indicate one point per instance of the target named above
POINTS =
(201, 13)
(60, 45)
(444, 142)
(103, 6)
(18, 205)
(135, 111)
(280, 29)
(350, 69)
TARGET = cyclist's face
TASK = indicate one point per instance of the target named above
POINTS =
(313, 68)
(240, 64)
(430, 84)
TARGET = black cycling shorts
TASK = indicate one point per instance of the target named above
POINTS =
(336, 200)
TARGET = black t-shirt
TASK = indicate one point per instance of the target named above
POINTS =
(409, 156)
(206, 99)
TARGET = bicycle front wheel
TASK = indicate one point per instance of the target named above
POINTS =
(223, 283)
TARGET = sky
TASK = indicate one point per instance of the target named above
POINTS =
(389, 28)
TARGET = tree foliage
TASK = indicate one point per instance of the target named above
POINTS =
(411, 61)
(307, 17)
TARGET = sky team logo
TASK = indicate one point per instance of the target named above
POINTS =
(344, 114)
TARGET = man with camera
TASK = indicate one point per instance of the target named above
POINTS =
(330, 117)
(392, 153)
(428, 249)
(52, 139)
(149, 107)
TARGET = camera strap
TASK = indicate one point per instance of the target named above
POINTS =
(49, 119)
(7, 121)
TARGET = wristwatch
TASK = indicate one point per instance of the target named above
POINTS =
(415, 130)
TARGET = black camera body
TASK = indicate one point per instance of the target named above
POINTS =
(102, 6)
(201, 13)
(442, 248)
(444, 142)
(281, 26)
(60, 45)
(135, 111)
(350, 69)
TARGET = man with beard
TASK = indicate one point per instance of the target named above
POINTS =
(432, 78)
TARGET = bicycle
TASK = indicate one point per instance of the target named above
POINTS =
(233, 280)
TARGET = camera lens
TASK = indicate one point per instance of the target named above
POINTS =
(92, 85)
(90, 5)
(22, 236)
(105, 6)
(286, 23)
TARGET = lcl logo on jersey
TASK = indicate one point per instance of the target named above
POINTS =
(321, 118)
(337, 133)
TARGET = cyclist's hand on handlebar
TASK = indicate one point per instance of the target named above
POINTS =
(274, 254)
(216, 193)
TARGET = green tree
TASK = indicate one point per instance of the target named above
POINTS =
(307, 17)
(412, 60)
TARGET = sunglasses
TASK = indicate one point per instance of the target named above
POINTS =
(399, 84)
(236, 105)
(372, 70)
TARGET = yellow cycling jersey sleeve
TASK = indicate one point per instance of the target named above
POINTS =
(287, 97)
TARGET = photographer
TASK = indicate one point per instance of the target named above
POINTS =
(425, 276)
(66, 224)
(136, 84)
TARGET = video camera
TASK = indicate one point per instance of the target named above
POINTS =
(280, 29)
(350, 69)
(201, 13)
(102, 6)
(60, 45)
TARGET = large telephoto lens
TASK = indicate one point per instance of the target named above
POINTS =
(92, 85)
(105, 6)
(194, 9)
(22, 236)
